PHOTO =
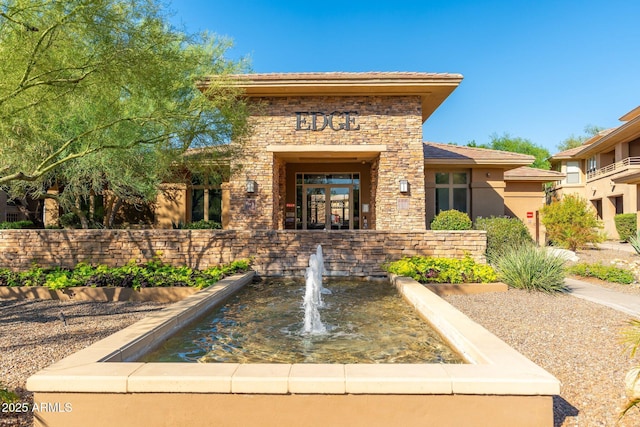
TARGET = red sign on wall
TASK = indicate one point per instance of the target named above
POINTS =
(529, 214)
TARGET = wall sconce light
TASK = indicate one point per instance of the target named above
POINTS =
(404, 186)
(251, 186)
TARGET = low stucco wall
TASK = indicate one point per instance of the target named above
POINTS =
(274, 253)
(190, 409)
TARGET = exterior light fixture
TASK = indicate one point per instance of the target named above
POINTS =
(404, 186)
(251, 186)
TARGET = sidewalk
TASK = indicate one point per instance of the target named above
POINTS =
(629, 304)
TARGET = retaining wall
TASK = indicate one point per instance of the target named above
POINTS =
(275, 252)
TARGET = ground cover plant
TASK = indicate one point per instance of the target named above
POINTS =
(153, 273)
(532, 268)
(442, 270)
(6, 395)
(607, 273)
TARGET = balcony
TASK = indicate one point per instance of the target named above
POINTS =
(624, 171)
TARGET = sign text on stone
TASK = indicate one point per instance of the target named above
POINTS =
(317, 121)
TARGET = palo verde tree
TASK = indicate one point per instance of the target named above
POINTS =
(103, 94)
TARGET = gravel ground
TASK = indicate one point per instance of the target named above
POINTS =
(33, 336)
(576, 340)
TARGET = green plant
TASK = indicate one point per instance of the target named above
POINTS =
(131, 275)
(502, 233)
(571, 223)
(634, 241)
(607, 273)
(626, 225)
(442, 270)
(69, 220)
(451, 220)
(16, 225)
(7, 396)
(631, 337)
(202, 225)
(531, 268)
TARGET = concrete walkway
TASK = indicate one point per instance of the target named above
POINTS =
(629, 304)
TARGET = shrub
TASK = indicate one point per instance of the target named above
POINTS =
(202, 225)
(69, 220)
(16, 225)
(626, 225)
(502, 233)
(451, 220)
(442, 270)
(531, 268)
(571, 223)
(607, 273)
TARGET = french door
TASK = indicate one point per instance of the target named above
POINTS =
(328, 207)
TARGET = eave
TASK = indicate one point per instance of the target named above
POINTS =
(432, 88)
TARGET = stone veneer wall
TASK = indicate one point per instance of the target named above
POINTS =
(394, 121)
(275, 253)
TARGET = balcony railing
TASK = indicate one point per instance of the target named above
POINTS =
(614, 167)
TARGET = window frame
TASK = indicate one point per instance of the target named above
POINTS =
(451, 186)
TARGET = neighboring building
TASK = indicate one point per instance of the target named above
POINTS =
(10, 210)
(604, 170)
(345, 151)
(484, 183)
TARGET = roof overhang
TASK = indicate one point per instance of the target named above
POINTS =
(432, 88)
(529, 174)
(319, 153)
(624, 133)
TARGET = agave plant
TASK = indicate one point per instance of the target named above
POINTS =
(631, 337)
(635, 241)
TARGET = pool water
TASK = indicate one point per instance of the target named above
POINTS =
(366, 322)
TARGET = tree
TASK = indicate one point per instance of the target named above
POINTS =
(571, 223)
(103, 94)
(518, 145)
(576, 141)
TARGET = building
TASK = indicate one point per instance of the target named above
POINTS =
(604, 170)
(345, 151)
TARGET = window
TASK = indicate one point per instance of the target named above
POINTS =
(452, 191)
(591, 164)
(206, 198)
(573, 173)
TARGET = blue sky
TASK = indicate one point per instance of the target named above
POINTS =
(540, 70)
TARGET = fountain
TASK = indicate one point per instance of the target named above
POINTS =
(499, 383)
(313, 294)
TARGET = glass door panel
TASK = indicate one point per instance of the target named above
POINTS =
(340, 206)
(316, 208)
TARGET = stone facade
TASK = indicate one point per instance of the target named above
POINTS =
(391, 121)
(275, 253)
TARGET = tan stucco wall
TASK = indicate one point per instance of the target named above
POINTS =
(393, 121)
(171, 205)
(487, 192)
(602, 189)
(175, 409)
(521, 198)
